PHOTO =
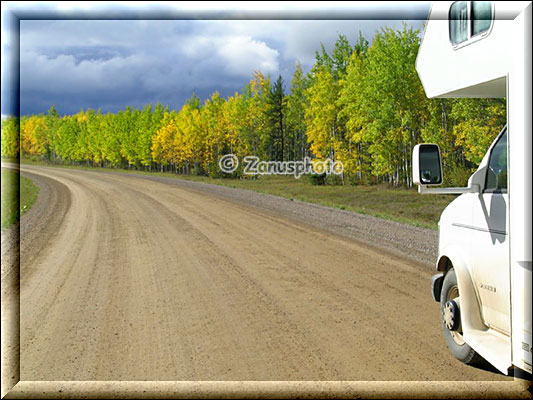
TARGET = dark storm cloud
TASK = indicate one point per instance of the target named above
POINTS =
(113, 64)
(87, 63)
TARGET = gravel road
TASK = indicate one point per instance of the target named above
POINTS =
(408, 242)
(128, 277)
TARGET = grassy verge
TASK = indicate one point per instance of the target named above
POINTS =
(14, 185)
(402, 205)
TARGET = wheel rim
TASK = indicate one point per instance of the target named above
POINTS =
(457, 335)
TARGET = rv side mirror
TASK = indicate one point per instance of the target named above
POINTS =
(427, 165)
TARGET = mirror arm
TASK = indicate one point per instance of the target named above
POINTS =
(423, 189)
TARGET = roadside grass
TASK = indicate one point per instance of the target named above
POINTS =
(14, 185)
(382, 201)
(14, 160)
(401, 205)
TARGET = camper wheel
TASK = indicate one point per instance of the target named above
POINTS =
(451, 321)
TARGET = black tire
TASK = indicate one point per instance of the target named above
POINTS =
(459, 348)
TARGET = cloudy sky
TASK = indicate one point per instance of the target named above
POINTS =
(110, 64)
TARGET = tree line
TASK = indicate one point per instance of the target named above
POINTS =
(362, 104)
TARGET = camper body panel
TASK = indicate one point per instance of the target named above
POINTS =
(476, 68)
(473, 237)
(520, 199)
(486, 236)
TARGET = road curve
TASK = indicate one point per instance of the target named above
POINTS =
(131, 279)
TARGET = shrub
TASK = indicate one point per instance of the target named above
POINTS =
(317, 179)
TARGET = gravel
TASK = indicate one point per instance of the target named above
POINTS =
(38, 219)
(405, 241)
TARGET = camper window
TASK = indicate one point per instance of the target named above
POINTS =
(496, 180)
(459, 22)
(469, 21)
(481, 16)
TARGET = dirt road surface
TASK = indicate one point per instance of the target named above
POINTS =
(125, 278)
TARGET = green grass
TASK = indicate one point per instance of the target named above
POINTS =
(14, 185)
(381, 201)
(402, 205)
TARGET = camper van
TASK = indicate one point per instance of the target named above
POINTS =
(482, 49)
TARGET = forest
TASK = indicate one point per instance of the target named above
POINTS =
(362, 104)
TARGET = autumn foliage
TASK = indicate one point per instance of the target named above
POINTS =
(361, 104)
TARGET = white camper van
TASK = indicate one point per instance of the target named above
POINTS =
(483, 49)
